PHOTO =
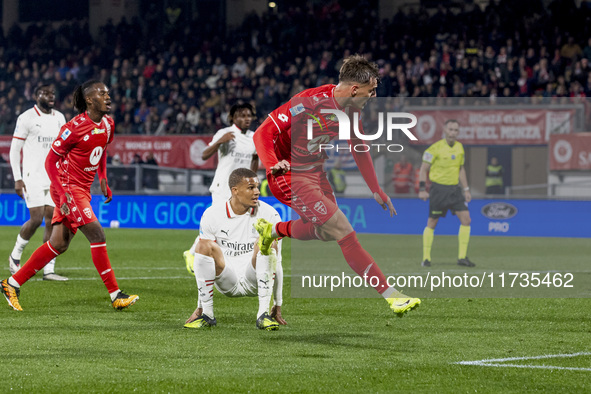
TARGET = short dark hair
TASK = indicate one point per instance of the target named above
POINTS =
(358, 69)
(237, 107)
(41, 86)
(238, 175)
(80, 94)
(450, 121)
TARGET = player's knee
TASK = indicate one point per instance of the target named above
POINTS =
(35, 221)
(205, 247)
(97, 236)
(337, 227)
(59, 245)
(94, 232)
(432, 223)
(334, 233)
(326, 235)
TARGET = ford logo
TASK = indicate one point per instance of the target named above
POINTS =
(499, 210)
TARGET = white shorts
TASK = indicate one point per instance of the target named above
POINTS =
(234, 284)
(37, 197)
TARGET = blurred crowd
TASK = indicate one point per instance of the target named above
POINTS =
(174, 72)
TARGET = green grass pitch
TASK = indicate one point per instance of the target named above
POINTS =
(69, 339)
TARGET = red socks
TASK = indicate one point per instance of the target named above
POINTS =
(362, 262)
(296, 229)
(357, 257)
(36, 262)
(283, 229)
(46, 252)
(303, 231)
(100, 258)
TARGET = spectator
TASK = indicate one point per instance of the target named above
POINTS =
(571, 50)
(150, 177)
(418, 63)
(494, 177)
(193, 117)
(402, 176)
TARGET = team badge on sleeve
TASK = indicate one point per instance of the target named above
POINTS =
(66, 134)
(320, 207)
(298, 109)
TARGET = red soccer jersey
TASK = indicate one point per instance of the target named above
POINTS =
(290, 133)
(284, 134)
(80, 145)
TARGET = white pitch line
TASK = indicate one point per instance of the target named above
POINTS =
(128, 278)
(533, 366)
(496, 362)
(125, 268)
(136, 278)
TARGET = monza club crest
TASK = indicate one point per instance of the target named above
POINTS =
(87, 212)
(320, 207)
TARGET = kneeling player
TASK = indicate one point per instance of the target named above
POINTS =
(227, 255)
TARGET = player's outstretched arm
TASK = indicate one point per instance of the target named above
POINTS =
(106, 191)
(254, 163)
(280, 168)
(387, 204)
(51, 166)
(265, 147)
(211, 150)
(20, 188)
(102, 174)
(365, 165)
(16, 147)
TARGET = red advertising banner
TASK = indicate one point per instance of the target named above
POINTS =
(5, 141)
(494, 127)
(169, 151)
(570, 152)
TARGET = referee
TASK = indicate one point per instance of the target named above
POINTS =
(444, 160)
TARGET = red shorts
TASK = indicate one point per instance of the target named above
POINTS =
(308, 193)
(81, 212)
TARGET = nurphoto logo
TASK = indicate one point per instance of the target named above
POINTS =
(386, 123)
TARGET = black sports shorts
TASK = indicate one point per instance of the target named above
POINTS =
(445, 197)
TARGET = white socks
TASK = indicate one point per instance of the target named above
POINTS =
(19, 246)
(204, 267)
(49, 268)
(17, 253)
(113, 294)
(265, 270)
(389, 292)
(13, 283)
(194, 246)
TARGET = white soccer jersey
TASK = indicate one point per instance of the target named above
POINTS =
(233, 154)
(235, 234)
(37, 130)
